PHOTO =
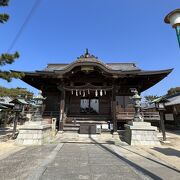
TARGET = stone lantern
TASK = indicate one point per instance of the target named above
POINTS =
(137, 105)
(39, 106)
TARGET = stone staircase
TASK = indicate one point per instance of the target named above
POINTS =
(73, 123)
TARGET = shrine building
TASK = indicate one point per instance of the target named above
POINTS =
(90, 91)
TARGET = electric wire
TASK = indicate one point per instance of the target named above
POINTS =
(27, 19)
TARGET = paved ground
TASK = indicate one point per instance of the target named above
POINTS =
(21, 164)
(71, 158)
(88, 160)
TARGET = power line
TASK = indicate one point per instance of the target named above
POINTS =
(29, 16)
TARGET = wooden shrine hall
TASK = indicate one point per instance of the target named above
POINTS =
(88, 91)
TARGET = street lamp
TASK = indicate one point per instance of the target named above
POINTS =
(173, 18)
(18, 107)
(160, 106)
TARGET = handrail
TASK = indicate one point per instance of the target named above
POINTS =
(130, 115)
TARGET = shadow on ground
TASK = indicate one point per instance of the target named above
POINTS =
(132, 164)
(167, 151)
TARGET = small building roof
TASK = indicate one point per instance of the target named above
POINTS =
(20, 101)
(3, 107)
(173, 100)
(160, 99)
(5, 101)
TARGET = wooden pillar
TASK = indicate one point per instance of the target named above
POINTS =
(162, 125)
(62, 108)
(15, 124)
(175, 116)
(113, 109)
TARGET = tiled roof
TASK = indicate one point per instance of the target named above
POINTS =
(5, 99)
(89, 58)
(3, 107)
(174, 100)
(123, 66)
(19, 100)
(112, 66)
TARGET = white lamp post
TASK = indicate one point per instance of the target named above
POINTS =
(173, 18)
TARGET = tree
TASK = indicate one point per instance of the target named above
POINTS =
(173, 91)
(14, 92)
(7, 58)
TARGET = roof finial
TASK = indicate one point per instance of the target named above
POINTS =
(86, 53)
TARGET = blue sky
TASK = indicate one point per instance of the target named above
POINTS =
(114, 30)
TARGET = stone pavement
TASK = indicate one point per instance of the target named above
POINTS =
(19, 165)
(87, 159)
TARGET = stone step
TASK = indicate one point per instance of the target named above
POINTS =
(69, 129)
(78, 122)
(71, 125)
(91, 122)
(90, 118)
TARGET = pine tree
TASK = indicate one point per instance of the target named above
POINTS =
(7, 58)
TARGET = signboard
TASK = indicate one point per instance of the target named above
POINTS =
(169, 117)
